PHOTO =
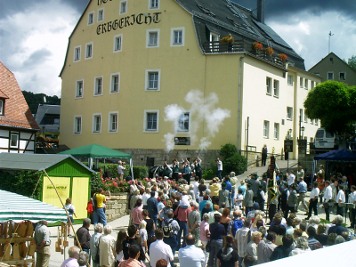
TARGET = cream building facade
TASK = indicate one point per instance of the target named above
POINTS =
(156, 77)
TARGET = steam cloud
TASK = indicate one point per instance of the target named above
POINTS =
(202, 110)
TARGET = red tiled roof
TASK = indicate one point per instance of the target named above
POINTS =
(16, 111)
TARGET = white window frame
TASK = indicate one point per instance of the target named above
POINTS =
(153, 4)
(145, 128)
(344, 76)
(305, 118)
(114, 86)
(266, 129)
(148, 38)
(306, 83)
(96, 127)
(78, 124)
(290, 79)
(214, 37)
(98, 91)
(100, 15)
(148, 81)
(2, 105)
(312, 84)
(289, 113)
(276, 131)
(79, 92)
(113, 126)
(89, 50)
(91, 18)
(123, 7)
(276, 88)
(332, 75)
(173, 36)
(14, 137)
(268, 86)
(117, 43)
(76, 55)
(182, 120)
(301, 81)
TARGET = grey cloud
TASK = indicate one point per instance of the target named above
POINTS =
(36, 58)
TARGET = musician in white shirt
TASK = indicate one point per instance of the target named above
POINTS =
(328, 201)
(340, 200)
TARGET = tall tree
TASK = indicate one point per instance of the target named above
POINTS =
(352, 62)
(331, 102)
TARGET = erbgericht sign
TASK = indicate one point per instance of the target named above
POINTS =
(142, 18)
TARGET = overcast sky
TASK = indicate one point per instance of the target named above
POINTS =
(34, 34)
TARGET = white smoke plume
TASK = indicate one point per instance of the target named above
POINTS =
(202, 111)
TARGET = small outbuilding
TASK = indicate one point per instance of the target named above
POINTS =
(64, 173)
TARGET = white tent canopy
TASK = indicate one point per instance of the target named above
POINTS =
(337, 255)
(17, 208)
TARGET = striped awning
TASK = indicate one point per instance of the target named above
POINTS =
(17, 208)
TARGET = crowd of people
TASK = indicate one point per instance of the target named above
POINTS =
(227, 222)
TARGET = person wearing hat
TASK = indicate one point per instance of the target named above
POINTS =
(120, 169)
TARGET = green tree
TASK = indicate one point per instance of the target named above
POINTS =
(232, 160)
(34, 99)
(331, 102)
(352, 62)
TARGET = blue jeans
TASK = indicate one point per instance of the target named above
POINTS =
(215, 246)
(183, 229)
(99, 216)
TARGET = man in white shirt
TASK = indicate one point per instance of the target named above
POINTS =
(191, 255)
(220, 168)
(160, 250)
(291, 179)
(313, 201)
(243, 237)
(340, 200)
(328, 200)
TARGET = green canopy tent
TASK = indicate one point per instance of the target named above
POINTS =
(95, 151)
(17, 208)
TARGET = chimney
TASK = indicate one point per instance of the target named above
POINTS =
(261, 11)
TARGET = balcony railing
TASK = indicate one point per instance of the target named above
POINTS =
(217, 47)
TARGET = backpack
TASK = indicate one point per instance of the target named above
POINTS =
(168, 229)
(236, 225)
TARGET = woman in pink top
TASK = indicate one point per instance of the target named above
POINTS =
(136, 213)
(204, 230)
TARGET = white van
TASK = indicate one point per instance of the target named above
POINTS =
(325, 140)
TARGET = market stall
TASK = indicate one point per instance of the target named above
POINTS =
(18, 214)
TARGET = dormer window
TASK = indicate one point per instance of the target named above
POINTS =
(2, 104)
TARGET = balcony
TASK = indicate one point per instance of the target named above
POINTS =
(217, 47)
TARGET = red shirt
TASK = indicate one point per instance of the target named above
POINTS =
(182, 213)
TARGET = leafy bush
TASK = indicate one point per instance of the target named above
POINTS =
(232, 160)
(26, 183)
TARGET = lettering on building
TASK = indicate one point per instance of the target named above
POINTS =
(100, 2)
(142, 18)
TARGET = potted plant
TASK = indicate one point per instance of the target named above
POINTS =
(257, 46)
(283, 57)
(269, 51)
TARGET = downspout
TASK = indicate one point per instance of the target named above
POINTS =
(240, 86)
